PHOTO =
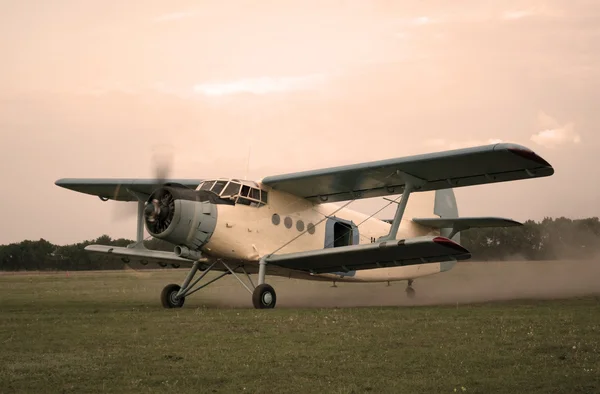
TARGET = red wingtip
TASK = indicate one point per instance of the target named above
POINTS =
(449, 243)
(529, 155)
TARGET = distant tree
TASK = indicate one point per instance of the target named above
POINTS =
(545, 240)
(549, 239)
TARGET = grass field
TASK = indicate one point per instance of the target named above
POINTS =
(106, 332)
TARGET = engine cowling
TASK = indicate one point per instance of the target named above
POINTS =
(182, 216)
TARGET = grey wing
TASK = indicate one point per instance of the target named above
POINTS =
(119, 189)
(440, 170)
(418, 250)
(140, 255)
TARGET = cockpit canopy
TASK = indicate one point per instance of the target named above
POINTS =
(241, 192)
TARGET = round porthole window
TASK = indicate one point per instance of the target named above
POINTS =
(276, 219)
(300, 225)
(287, 222)
(310, 228)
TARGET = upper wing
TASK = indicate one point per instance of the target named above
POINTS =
(119, 189)
(441, 170)
(419, 250)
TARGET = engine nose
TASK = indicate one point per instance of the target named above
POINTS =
(181, 216)
(159, 211)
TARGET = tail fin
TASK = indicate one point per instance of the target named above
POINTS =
(445, 207)
(423, 204)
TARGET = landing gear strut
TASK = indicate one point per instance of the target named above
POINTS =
(410, 291)
(263, 295)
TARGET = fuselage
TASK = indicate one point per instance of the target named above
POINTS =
(287, 224)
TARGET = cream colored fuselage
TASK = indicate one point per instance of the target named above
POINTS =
(246, 233)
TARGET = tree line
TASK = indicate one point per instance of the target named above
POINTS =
(549, 239)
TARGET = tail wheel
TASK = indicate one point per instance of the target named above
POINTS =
(169, 299)
(264, 297)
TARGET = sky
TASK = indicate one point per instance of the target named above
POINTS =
(258, 88)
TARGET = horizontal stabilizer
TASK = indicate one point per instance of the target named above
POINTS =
(419, 250)
(464, 223)
(140, 255)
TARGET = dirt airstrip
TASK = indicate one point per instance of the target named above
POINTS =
(467, 282)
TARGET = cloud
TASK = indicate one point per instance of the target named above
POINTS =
(546, 11)
(413, 21)
(513, 15)
(261, 85)
(422, 20)
(553, 134)
(443, 144)
(109, 89)
(173, 16)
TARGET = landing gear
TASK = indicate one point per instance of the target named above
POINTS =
(169, 298)
(264, 297)
(410, 291)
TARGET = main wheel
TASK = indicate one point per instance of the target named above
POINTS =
(410, 292)
(264, 297)
(169, 299)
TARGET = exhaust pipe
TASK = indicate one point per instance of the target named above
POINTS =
(186, 253)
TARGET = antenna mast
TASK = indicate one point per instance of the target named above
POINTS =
(248, 160)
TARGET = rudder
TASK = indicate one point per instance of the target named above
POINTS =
(445, 206)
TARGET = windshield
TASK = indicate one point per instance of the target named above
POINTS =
(241, 192)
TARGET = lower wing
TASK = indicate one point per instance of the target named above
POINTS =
(419, 250)
(140, 255)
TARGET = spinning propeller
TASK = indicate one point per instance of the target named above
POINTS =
(158, 207)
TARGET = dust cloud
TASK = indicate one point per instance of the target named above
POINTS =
(467, 282)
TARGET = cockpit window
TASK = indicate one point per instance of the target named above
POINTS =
(245, 191)
(207, 185)
(241, 192)
(218, 187)
(232, 189)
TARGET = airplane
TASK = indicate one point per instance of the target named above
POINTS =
(298, 225)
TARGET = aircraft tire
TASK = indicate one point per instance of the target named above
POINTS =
(167, 297)
(264, 297)
(410, 292)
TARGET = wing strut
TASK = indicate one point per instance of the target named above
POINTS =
(411, 183)
(139, 241)
(140, 224)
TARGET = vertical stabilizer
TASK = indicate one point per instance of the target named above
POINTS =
(445, 207)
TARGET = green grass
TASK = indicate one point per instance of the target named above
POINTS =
(106, 332)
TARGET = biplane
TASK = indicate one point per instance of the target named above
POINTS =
(298, 225)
